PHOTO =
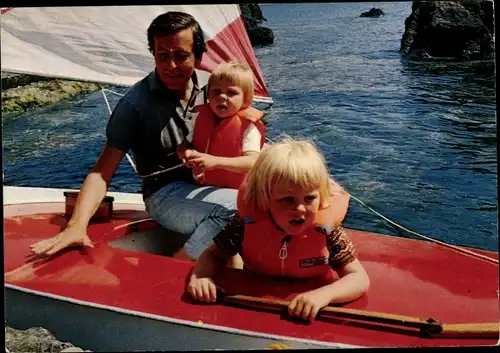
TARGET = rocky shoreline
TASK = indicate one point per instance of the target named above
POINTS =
(36, 339)
(459, 30)
(253, 18)
(22, 92)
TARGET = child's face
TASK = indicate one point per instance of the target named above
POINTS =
(294, 209)
(225, 98)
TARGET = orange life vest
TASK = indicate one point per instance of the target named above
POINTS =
(224, 138)
(266, 249)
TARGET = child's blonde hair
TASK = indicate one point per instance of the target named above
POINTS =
(237, 73)
(296, 162)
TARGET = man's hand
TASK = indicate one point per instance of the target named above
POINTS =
(181, 149)
(69, 237)
(183, 153)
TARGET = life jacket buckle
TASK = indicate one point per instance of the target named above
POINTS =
(283, 250)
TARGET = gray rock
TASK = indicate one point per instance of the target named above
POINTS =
(252, 15)
(42, 92)
(261, 36)
(37, 340)
(374, 12)
(253, 18)
(10, 80)
(453, 30)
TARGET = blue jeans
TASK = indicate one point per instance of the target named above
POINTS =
(188, 208)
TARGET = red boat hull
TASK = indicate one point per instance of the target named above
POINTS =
(408, 277)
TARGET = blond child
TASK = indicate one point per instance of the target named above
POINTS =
(228, 133)
(288, 225)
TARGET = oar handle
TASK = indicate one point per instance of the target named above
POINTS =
(471, 330)
(428, 327)
(408, 321)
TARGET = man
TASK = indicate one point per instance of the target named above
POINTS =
(154, 117)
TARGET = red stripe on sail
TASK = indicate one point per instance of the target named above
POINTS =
(232, 43)
(5, 10)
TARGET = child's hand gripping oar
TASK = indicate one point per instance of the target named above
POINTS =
(427, 327)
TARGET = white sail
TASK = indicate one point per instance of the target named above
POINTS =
(108, 44)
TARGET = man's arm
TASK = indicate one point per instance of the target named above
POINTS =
(121, 130)
(91, 195)
(95, 186)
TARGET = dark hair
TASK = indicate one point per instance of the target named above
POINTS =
(173, 22)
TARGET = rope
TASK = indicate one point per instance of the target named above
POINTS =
(113, 92)
(132, 223)
(110, 111)
(131, 162)
(457, 248)
(106, 100)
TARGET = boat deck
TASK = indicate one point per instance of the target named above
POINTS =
(408, 277)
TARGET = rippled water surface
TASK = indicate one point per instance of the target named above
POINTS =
(414, 140)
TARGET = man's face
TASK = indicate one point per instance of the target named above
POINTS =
(174, 59)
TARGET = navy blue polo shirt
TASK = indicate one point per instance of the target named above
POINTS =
(150, 121)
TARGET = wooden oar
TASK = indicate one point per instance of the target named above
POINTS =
(427, 327)
(471, 330)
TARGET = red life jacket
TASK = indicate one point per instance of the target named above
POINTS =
(268, 250)
(224, 138)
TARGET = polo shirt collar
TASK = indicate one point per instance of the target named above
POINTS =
(156, 85)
